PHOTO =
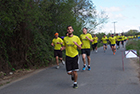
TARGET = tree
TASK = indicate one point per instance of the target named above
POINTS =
(86, 13)
(131, 32)
(28, 26)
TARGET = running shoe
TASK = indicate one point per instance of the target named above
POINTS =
(57, 67)
(75, 86)
(88, 68)
(63, 62)
(113, 53)
(72, 77)
(85, 66)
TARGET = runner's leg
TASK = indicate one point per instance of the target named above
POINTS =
(75, 76)
(104, 47)
(93, 47)
(84, 58)
(88, 58)
(57, 61)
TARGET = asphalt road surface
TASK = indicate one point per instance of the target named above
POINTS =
(106, 77)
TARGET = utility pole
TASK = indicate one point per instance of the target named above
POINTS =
(110, 31)
(114, 27)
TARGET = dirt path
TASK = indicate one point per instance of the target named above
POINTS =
(135, 62)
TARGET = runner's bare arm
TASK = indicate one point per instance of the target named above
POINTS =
(89, 39)
(59, 43)
(62, 48)
(52, 44)
(79, 46)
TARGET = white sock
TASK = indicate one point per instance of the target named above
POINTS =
(75, 82)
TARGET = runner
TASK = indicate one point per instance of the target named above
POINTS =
(94, 43)
(57, 43)
(118, 39)
(109, 41)
(113, 42)
(86, 38)
(122, 39)
(104, 41)
(71, 43)
(126, 39)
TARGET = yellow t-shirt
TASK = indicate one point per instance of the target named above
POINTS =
(125, 38)
(112, 40)
(118, 38)
(85, 41)
(122, 38)
(104, 40)
(71, 48)
(57, 46)
(95, 40)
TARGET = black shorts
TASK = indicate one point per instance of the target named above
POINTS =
(95, 44)
(85, 51)
(72, 64)
(112, 44)
(105, 44)
(118, 43)
(122, 42)
(58, 53)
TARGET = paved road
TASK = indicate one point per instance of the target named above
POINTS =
(106, 77)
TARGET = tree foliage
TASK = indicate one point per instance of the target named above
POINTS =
(28, 26)
(131, 33)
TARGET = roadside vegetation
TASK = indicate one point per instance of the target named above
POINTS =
(27, 28)
(133, 44)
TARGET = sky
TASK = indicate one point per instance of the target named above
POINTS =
(124, 13)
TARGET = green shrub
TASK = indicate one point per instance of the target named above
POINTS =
(133, 44)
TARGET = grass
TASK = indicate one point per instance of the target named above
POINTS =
(133, 44)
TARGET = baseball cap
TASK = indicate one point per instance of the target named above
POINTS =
(56, 34)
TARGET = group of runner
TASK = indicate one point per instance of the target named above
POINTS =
(71, 42)
(114, 41)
